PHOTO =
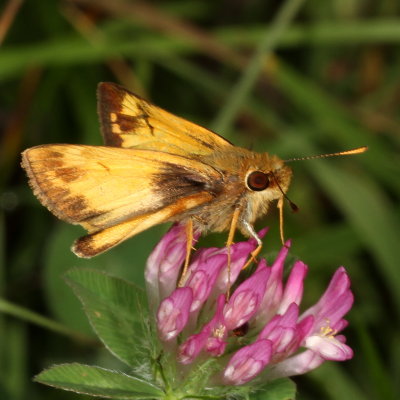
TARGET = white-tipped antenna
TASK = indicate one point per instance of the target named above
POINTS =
(358, 150)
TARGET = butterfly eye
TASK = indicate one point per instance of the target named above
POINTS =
(257, 181)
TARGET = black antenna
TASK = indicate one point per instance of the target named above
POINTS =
(292, 205)
(358, 150)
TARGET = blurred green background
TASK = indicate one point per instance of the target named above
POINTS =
(331, 83)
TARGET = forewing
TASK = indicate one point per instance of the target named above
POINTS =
(129, 121)
(104, 187)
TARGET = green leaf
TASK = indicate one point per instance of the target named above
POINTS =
(114, 308)
(280, 389)
(58, 259)
(333, 381)
(126, 261)
(97, 381)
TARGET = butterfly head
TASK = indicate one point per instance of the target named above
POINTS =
(270, 179)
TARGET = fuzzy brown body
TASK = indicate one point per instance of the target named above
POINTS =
(155, 167)
(232, 193)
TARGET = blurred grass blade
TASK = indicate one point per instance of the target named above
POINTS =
(16, 354)
(268, 42)
(7, 17)
(219, 89)
(378, 370)
(3, 324)
(333, 120)
(2, 254)
(319, 34)
(337, 385)
(367, 208)
(72, 49)
(46, 323)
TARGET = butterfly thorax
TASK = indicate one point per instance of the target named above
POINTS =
(231, 191)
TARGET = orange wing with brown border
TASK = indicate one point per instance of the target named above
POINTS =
(116, 193)
(129, 121)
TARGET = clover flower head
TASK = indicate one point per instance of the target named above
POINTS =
(255, 334)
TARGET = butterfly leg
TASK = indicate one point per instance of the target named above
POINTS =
(280, 206)
(229, 242)
(189, 242)
(257, 250)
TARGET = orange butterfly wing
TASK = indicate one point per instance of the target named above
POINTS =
(129, 121)
(115, 193)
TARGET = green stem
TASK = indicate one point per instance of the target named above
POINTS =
(272, 34)
(30, 316)
(167, 386)
(201, 397)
